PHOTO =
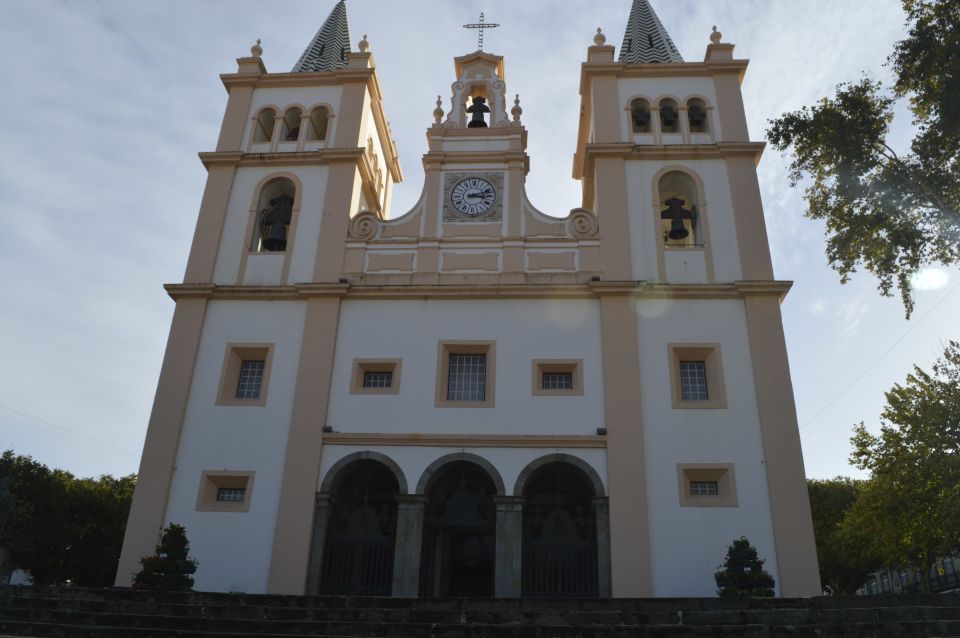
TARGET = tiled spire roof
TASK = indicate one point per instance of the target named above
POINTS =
(329, 48)
(646, 40)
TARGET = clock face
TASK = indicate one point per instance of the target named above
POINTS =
(473, 196)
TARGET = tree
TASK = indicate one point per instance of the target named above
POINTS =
(910, 508)
(63, 528)
(742, 574)
(844, 553)
(890, 212)
(169, 568)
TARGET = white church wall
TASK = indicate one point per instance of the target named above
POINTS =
(689, 542)
(235, 242)
(654, 89)
(237, 438)
(281, 98)
(509, 462)
(644, 220)
(523, 331)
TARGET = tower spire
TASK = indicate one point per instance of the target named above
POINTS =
(329, 48)
(646, 40)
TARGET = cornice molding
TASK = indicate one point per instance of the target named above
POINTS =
(593, 290)
(463, 441)
(322, 156)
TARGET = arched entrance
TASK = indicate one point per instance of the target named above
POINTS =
(358, 553)
(559, 532)
(459, 532)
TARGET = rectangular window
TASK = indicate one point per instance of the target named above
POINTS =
(466, 372)
(557, 377)
(693, 381)
(696, 376)
(375, 376)
(558, 381)
(707, 485)
(467, 377)
(245, 374)
(251, 379)
(872, 586)
(704, 488)
(230, 494)
(885, 582)
(225, 491)
(377, 379)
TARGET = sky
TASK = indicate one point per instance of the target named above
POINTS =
(105, 104)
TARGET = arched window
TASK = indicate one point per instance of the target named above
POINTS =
(264, 126)
(274, 213)
(669, 116)
(640, 115)
(679, 212)
(697, 116)
(319, 119)
(291, 125)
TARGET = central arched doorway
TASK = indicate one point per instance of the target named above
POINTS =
(560, 558)
(359, 550)
(459, 532)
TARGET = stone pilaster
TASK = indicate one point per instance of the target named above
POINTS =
(321, 522)
(409, 538)
(509, 548)
(601, 507)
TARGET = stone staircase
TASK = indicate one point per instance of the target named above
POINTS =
(88, 613)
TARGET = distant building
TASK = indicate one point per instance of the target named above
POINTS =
(475, 398)
(944, 576)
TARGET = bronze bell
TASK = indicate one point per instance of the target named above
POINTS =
(677, 230)
(276, 240)
(697, 115)
(274, 223)
(641, 117)
(669, 115)
(477, 109)
(677, 213)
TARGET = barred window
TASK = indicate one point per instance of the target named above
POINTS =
(231, 494)
(467, 377)
(704, 488)
(693, 381)
(377, 379)
(558, 381)
(251, 379)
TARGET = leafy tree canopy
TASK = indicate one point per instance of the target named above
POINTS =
(168, 569)
(64, 528)
(844, 554)
(910, 509)
(891, 213)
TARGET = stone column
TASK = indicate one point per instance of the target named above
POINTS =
(601, 507)
(321, 522)
(509, 548)
(409, 538)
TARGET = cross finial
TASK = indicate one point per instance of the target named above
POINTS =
(481, 26)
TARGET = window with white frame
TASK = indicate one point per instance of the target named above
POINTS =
(251, 378)
(693, 381)
(231, 494)
(467, 377)
(704, 488)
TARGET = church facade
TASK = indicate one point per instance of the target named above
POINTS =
(474, 398)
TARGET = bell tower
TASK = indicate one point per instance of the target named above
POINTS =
(668, 167)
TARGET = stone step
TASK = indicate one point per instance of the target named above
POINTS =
(854, 630)
(557, 616)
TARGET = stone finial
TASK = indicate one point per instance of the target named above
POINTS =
(716, 36)
(438, 112)
(256, 50)
(516, 111)
(599, 39)
(364, 45)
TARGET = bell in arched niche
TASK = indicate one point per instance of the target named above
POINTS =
(274, 223)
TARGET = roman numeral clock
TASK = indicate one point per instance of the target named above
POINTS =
(473, 197)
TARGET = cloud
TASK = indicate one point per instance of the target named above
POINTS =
(817, 306)
(850, 317)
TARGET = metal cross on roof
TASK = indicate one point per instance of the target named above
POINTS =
(481, 26)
